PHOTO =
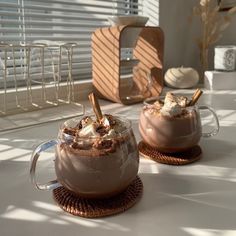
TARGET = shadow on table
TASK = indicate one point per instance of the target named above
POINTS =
(180, 201)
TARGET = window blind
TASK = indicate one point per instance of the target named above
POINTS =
(55, 21)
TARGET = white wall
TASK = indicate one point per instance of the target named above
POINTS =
(180, 33)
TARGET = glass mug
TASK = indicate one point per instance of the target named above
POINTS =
(88, 171)
(174, 134)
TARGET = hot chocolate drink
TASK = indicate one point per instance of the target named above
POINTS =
(96, 159)
(170, 125)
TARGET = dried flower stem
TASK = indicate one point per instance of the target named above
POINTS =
(213, 24)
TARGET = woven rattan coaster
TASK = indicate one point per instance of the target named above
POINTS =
(93, 208)
(180, 158)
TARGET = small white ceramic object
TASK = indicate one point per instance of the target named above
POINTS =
(225, 57)
(220, 80)
(128, 20)
(181, 77)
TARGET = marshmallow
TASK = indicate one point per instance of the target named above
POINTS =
(171, 105)
(105, 121)
(169, 98)
(158, 104)
(89, 131)
(86, 121)
(110, 134)
(182, 101)
(171, 109)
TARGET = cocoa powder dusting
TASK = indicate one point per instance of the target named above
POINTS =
(103, 144)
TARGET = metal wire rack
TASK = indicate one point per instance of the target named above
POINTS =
(23, 67)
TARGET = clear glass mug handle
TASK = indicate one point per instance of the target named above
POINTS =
(33, 163)
(217, 125)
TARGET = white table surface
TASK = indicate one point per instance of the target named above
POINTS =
(192, 200)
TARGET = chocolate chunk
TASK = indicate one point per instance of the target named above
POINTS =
(103, 144)
(102, 130)
(75, 146)
(69, 131)
(79, 126)
(81, 146)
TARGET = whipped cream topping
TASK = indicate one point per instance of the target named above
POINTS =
(171, 109)
(182, 101)
(107, 127)
(89, 131)
(173, 105)
(86, 121)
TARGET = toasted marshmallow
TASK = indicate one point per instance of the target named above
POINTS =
(171, 109)
(182, 101)
(169, 98)
(173, 105)
(86, 121)
(158, 104)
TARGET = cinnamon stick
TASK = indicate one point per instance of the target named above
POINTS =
(195, 97)
(196, 91)
(96, 107)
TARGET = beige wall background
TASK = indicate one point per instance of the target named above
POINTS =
(180, 33)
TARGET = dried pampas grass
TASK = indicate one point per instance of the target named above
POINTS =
(213, 24)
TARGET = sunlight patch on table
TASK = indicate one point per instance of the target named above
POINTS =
(208, 232)
(80, 221)
(213, 172)
(148, 166)
(23, 214)
(46, 206)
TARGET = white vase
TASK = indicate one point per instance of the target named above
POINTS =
(181, 77)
